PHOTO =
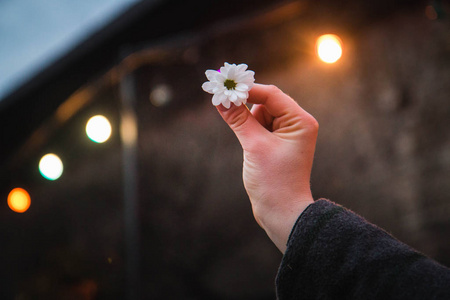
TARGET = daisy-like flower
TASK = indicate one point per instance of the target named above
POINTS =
(229, 85)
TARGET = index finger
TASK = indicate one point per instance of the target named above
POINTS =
(274, 100)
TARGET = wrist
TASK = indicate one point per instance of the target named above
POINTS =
(278, 220)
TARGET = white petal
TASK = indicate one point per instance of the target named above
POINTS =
(242, 87)
(242, 67)
(211, 74)
(219, 88)
(227, 92)
(233, 97)
(222, 97)
(232, 72)
(215, 100)
(246, 77)
(220, 77)
(226, 103)
(224, 70)
(249, 83)
(208, 87)
(240, 95)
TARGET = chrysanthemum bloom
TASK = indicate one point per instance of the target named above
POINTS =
(229, 85)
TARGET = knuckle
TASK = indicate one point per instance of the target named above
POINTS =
(314, 124)
(311, 124)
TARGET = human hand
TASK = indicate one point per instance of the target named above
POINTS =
(278, 139)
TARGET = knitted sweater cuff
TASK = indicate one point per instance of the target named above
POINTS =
(333, 253)
(302, 235)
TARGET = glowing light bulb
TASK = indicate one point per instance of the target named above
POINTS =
(329, 48)
(98, 129)
(19, 200)
(51, 166)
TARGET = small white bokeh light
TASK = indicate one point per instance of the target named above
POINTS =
(161, 95)
(98, 129)
(51, 166)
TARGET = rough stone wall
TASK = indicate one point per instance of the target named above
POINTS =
(383, 151)
(383, 144)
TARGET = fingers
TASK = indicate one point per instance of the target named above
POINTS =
(280, 109)
(242, 122)
(273, 110)
(270, 102)
(274, 100)
(262, 116)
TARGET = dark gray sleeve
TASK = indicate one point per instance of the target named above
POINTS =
(333, 253)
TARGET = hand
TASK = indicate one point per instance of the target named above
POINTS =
(278, 139)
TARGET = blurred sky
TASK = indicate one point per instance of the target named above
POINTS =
(34, 33)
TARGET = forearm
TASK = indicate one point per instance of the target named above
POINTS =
(333, 254)
(278, 223)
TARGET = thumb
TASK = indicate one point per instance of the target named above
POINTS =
(242, 122)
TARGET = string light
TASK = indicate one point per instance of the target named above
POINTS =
(51, 166)
(98, 129)
(329, 48)
(19, 200)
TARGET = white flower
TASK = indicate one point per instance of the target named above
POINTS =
(229, 85)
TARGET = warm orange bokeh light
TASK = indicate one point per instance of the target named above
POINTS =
(19, 200)
(329, 48)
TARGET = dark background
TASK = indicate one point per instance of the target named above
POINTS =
(383, 148)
